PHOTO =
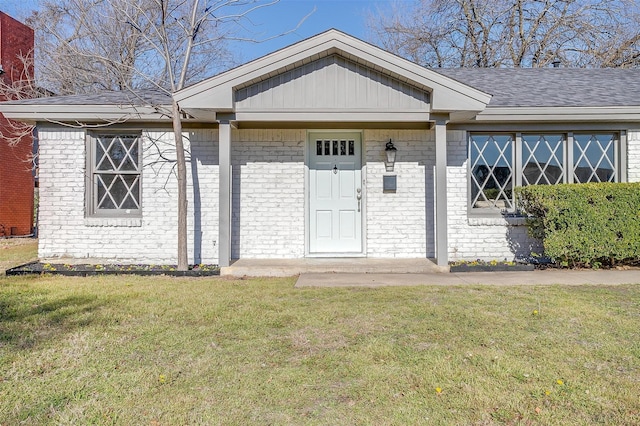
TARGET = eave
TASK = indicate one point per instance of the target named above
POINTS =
(559, 114)
(81, 113)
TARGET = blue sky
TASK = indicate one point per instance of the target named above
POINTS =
(346, 15)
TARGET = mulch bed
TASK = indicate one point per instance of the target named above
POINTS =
(84, 270)
(480, 266)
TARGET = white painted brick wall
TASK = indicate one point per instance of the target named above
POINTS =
(477, 238)
(268, 200)
(400, 224)
(633, 155)
(268, 193)
(65, 232)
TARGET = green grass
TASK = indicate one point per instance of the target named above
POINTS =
(163, 351)
(214, 351)
(16, 251)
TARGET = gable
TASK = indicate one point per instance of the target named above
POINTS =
(377, 79)
(331, 82)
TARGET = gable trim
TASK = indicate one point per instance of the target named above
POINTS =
(217, 92)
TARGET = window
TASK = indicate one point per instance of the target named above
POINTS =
(113, 165)
(324, 147)
(594, 158)
(499, 162)
(491, 171)
(543, 159)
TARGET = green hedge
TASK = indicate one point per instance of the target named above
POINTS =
(594, 224)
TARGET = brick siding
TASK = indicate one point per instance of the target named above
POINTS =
(478, 238)
(16, 176)
(400, 224)
(268, 203)
(633, 156)
(66, 232)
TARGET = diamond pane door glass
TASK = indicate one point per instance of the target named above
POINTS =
(491, 158)
(542, 159)
(594, 158)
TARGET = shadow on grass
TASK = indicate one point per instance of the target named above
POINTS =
(29, 318)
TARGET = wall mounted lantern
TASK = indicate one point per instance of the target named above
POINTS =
(390, 151)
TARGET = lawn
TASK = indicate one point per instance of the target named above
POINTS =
(165, 351)
(16, 251)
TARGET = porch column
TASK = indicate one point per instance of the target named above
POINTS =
(224, 181)
(442, 253)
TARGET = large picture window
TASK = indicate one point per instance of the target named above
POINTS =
(114, 175)
(491, 171)
(499, 162)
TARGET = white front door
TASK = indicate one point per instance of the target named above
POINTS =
(335, 193)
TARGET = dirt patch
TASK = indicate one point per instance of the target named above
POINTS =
(17, 251)
(7, 243)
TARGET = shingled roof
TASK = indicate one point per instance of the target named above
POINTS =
(146, 97)
(552, 87)
(509, 87)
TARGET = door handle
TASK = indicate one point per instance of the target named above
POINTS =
(359, 197)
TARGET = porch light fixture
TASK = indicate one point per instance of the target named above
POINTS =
(390, 151)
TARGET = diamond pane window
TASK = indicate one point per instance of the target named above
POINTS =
(491, 159)
(594, 158)
(538, 159)
(542, 159)
(115, 174)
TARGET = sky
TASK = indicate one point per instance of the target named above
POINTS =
(345, 15)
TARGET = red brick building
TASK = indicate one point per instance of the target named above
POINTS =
(16, 172)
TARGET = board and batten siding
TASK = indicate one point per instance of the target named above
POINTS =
(331, 82)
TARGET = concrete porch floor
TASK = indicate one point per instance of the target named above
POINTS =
(362, 265)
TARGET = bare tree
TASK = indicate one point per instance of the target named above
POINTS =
(511, 33)
(18, 84)
(87, 46)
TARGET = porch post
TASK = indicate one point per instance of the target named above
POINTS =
(224, 181)
(442, 255)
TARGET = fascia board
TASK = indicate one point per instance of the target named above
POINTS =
(555, 114)
(89, 113)
(448, 94)
(219, 89)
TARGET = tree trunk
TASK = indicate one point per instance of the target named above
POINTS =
(183, 261)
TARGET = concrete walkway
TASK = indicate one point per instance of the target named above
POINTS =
(317, 265)
(377, 272)
(545, 277)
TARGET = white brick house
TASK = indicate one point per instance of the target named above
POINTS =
(287, 158)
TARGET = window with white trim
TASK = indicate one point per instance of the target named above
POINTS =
(114, 173)
(498, 162)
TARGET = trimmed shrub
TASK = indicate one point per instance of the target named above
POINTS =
(593, 224)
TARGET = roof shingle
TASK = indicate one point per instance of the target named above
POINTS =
(552, 87)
